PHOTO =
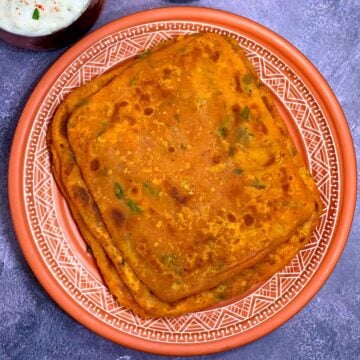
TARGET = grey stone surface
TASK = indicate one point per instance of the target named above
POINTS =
(32, 326)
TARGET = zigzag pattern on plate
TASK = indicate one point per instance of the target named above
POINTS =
(87, 290)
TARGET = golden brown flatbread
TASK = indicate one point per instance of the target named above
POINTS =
(181, 170)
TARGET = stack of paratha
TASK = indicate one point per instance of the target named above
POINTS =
(182, 177)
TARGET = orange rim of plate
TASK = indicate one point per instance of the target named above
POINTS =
(313, 80)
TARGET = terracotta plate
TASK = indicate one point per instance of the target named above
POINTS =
(55, 250)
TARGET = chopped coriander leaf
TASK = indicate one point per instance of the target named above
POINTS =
(238, 171)
(177, 117)
(220, 296)
(83, 102)
(36, 14)
(102, 129)
(183, 147)
(119, 191)
(244, 113)
(168, 259)
(144, 54)
(248, 78)
(133, 82)
(243, 136)
(257, 184)
(223, 131)
(133, 206)
(151, 190)
(104, 172)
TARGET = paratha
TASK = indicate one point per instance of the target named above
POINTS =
(221, 164)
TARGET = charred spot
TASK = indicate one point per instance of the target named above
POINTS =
(123, 103)
(302, 239)
(267, 103)
(68, 167)
(270, 160)
(145, 97)
(166, 73)
(177, 195)
(236, 109)
(286, 187)
(171, 149)
(216, 159)
(62, 146)
(96, 210)
(117, 217)
(148, 111)
(260, 127)
(151, 211)
(317, 206)
(231, 217)
(94, 164)
(63, 127)
(248, 219)
(115, 114)
(81, 194)
(134, 190)
(238, 87)
(215, 56)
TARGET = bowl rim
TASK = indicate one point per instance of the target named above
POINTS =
(329, 104)
(60, 30)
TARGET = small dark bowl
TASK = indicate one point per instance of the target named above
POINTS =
(59, 38)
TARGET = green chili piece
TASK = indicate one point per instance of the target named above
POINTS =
(133, 206)
(119, 191)
(151, 190)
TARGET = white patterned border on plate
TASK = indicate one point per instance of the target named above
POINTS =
(92, 295)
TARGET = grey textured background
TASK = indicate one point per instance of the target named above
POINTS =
(32, 326)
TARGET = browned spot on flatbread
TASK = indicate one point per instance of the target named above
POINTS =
(248, 219)
(117, 217)
(174, 192)
(238, 87)
(148, 111)
(95, 164)
(81, 194)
